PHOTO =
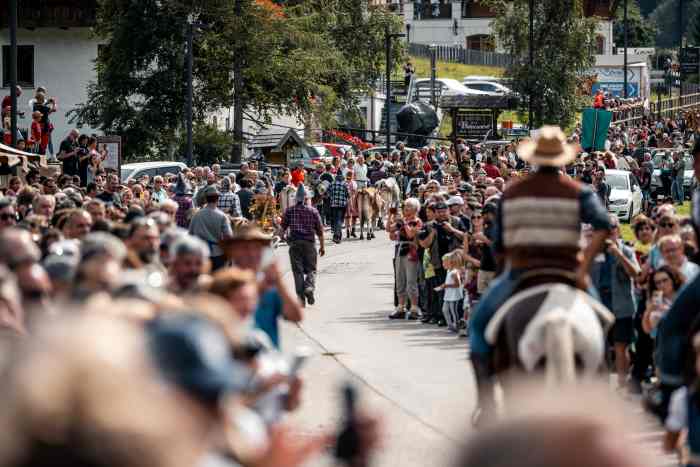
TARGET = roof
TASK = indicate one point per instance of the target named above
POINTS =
(276, 138)
(150, 165)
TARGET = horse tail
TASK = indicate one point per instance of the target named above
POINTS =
(559, 351)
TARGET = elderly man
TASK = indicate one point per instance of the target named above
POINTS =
(361, 172)
(159, 194)
(77, 225)
(143, 244)
(303, 224)
(188, 260)
(68, 153)
(211, 225)
(229, 201)
(44, 205)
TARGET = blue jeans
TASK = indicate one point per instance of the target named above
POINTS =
(500, 290)
(337, 217)
(677, 190)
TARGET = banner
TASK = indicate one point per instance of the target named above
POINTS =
(594, 126)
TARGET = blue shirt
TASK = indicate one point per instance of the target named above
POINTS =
(266, 315)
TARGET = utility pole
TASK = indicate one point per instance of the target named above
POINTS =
(237, 150)
(433, 76)
(188, 111)
(388, 36)
(13, 71)
(680, 47)
(531, 61)
(624, 27)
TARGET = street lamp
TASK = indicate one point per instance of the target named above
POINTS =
(387, 43)
(624, 26)
(192, 26)
(13, 72)
(532, 60)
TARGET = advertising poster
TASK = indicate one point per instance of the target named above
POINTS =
(113, 145)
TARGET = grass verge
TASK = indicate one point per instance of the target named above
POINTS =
(453, 70)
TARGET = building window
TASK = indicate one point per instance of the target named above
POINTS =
(25, 66)
(600, 45)
(475, 9)
(482, 42)
(432, 9)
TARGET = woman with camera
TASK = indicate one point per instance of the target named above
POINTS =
(403, 230)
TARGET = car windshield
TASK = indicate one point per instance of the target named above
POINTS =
(617, 181)
(126, 172)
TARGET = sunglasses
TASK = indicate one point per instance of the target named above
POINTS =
(667, 225)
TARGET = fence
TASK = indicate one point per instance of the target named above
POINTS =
(447, 53)
(668, 107)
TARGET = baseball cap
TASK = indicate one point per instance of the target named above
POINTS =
(440, 205)
(455, 201)
(465, 188)
(195, 355)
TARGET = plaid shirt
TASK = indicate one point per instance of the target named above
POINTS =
(230, 204)
(303, 222)
(338, 194)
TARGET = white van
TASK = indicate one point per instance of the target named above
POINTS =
(139, 169)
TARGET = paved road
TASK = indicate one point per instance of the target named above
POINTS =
(417, 376)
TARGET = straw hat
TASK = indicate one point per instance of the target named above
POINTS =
(549, 148)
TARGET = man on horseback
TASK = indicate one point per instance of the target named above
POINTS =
(537, 227)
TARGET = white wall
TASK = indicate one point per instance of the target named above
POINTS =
(64, 64)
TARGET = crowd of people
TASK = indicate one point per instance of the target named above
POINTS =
(37, 136)
(178, 272)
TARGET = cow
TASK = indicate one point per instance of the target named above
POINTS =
(391, 196)
(369, 205)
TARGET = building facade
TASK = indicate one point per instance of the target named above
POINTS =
(467, 23)
(56, 50)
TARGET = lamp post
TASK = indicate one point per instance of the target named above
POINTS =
(433, 75)
(192, 26)
(531, 60)
(387, 43)
(624, 27)
(13, 71)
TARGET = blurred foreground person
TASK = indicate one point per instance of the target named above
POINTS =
(577, 426)
(63, 406)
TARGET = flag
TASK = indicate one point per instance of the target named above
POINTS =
(595, 124)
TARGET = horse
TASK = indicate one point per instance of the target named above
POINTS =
(369, 205)
(550, 325)
(390, 193)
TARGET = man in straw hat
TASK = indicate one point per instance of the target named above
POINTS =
(301, 224)
(537, 226)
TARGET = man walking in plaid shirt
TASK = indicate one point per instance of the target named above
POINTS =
(229, 202)
(304, 224)
(338, 195)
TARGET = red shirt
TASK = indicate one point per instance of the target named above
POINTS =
(36, 132)
(6, 102)
(492, 171)
(297, 177)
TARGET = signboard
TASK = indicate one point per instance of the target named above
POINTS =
(113, 146)
(594, 129)
(615, 88)
(472, 124)
(690, 60)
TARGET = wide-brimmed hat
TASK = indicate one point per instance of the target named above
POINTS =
(247, 233)
(549, 148)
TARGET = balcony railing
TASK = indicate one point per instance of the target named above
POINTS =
(425, 9)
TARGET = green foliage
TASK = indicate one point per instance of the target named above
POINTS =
(647, 6)
(665, 16)
(640, 31)
(210, 145)
(563, 45)
(299, 58)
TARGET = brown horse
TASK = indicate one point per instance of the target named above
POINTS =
(549, 325)
(369, 205)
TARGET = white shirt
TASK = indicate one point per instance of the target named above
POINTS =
(453, 294)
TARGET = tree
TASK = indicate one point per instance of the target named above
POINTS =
(694, 26)
(667, 21)
(210, 145)
(640, 31)
(298, 58)
(564, 43)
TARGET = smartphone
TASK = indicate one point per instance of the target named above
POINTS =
(347, 446)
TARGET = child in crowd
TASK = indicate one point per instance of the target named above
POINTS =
(454, 293)
(36, 132)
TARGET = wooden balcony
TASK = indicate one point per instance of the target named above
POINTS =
(51, 13)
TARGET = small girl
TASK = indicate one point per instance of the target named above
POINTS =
(454, 294)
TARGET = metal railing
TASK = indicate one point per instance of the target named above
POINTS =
(462, 55)
(668, 107)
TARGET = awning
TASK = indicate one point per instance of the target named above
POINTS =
(36, 158)
(10, 160)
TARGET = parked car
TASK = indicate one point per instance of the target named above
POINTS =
(139, 169)
(421, 89)
(487, 86)
(625, 194)
(689, 180)
(332, 150)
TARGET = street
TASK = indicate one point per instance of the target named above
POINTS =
(416, 376)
